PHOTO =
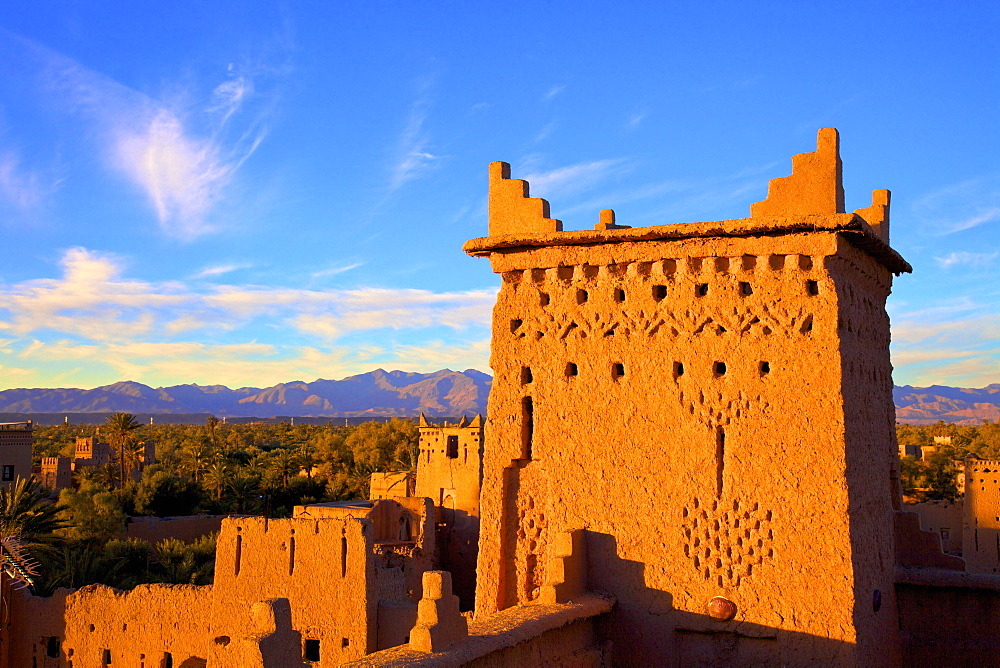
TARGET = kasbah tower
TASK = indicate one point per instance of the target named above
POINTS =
(711, 404)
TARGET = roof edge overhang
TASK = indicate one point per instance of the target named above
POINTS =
(851, 225)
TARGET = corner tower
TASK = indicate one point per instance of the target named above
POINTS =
(711, 402)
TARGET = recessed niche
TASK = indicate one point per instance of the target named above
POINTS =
(572, 369)
(749, 262)
(722, 264)
(617, 371)
(805, 262)
(669, 267)
(701, 290)
(659, 292)
(619, 295)
(515, 323)
(812, 287)
(526, 375)
(745, 289)
(565, 273)
(582, 296)
(777, 261)
(678, 369)
(543, 299)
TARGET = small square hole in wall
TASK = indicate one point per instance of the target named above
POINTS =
(543, 299)
(619, 295)
(678, 369)
(571, 369)
(745, 289)
(812, 287)
(617, 371)
(310, 651)
(776, 261)
(515, 323)
(659, 292)
(720, 368)
(765, 368)
(701, 290)
(344, 642)
(582, 296)
(526, 375)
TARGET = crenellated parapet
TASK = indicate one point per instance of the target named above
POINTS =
(815, 187)
(512, 211)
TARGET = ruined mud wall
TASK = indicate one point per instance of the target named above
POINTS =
(98, 625)
(321, 566)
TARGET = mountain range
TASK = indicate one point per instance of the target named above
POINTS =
(376, 393)
(383, 393)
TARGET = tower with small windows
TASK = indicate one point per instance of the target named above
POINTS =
(711, 402)
(449, 472)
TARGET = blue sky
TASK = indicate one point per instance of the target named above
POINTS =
(249, 193)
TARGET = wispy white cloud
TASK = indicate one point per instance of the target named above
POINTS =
(635, 119)
(553, 92)
(413, 156)
(573, 178)
(24, 189)
(178, 154)
(218, 270)
(333, 271)
(963, 258)
(959, 206)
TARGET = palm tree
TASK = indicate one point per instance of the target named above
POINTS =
(121, 426)
(285, 464)
(26, 513)
(217, 477)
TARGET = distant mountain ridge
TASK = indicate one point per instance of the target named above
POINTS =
(958, 405)
(381, 393)
(377, 393)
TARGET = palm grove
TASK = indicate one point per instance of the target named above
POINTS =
(214, 468)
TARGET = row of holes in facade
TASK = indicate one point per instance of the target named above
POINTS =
(668, 267)
(659, 292)
(719, 369)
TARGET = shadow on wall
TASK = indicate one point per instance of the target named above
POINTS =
(689, 639)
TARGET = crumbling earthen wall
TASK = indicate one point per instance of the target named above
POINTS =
(285, 590)
(101, 626)
(656, 387)
(981, 530)
(943, 518)
(449, 471)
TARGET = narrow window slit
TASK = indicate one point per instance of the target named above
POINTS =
(619, 295)
(617, 371)
(526, 375)
(678, 369)
(812, 287)
(527, 427)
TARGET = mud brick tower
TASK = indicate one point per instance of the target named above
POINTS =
(654, 386)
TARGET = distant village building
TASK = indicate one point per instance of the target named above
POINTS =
(57, 472)
(16, 440)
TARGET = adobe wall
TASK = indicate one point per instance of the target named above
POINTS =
(187, 528)
(981, 530)
(655, 386)
(450, 476)
(138, 627)
(943, 518)
(390, 484)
